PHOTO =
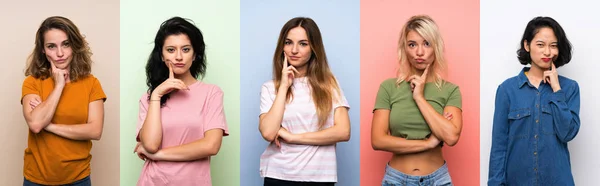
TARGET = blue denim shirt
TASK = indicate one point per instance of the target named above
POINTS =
(531, 129)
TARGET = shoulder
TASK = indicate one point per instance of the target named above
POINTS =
(389, 83)
(211, 89)
(569, 84)
(90, 79)
(512, 81)
(31, 79)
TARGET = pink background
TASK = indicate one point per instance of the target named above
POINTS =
(458, 21)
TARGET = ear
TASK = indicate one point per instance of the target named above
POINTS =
(526, 45)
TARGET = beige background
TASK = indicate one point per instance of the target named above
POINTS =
(99, 22)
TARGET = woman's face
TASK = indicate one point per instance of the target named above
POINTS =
(543, 48)
(178, 50)
(57, 48)
(419, 51)
(297, 47)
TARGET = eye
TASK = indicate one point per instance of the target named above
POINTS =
(287, 42)
(66, 44)
(186, 49)
(540, 45)
(50, 46)
(303, 44)
(554, 46)
(427, 43)
(170, 50)
(411, 45)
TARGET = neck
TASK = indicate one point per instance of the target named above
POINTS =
(535, 75)
(187, 78)
(302, 71)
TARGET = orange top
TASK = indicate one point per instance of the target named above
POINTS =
(51, 159)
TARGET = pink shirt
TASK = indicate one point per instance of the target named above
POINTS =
(293, 162)
(185, 117)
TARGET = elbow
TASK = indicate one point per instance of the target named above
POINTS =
(150, 148)
(214, 149)
(376, 145)
(96, 136)
(345, 136)
(268, 136)
(453, 140)
(35, 127)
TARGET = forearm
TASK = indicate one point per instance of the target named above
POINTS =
(327, 136)
(151, 131)
(86, 131)
(399, 145)
(42, 115)
(439, 125)
(271, 121)
(188, 152)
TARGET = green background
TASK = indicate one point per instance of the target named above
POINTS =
(219, 22)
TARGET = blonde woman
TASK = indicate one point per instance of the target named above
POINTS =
(408, 118)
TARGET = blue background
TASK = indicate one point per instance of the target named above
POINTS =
(261, 22)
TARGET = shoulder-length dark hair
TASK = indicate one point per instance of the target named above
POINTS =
(38, 65)
(156, 70)
(324, 87)
(533, 27)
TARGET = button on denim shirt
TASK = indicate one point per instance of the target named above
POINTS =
(531, 129)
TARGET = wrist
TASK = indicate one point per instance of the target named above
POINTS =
(155, 96)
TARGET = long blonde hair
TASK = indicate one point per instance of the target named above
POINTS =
(323, 85)
(426, 27)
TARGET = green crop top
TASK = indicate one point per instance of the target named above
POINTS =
(406, 120)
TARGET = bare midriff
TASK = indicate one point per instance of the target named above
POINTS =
(418, 164)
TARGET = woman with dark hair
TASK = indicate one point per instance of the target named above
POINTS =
(63, 105)
(537, 113)
(303, 112)
(181, 119)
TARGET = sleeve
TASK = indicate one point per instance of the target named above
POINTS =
(383, 97)
(97, 92)
(214, 117)
(455, 98)
(564, 105)
(141, 116)
(29, 87)
(266, 99)
(498, 154)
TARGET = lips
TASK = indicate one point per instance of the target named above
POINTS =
(294, 57)
(546, 59)
(420, 60)
(61, 60)
(179, 64)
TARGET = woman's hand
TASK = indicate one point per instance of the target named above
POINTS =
(60, 76)
(417, 84)
(285, 136)
(287, 74)
(168, 85)
(551, 77)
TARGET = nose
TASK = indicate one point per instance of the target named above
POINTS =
(59, 53)
(547, 51)
(295, 49)
(179, 55)
(420, 50)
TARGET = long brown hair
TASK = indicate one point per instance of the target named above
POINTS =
(38, 65)
(323, 85)
(426, 27)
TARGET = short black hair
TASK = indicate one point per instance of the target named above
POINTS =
(533, 27)
(156, 70)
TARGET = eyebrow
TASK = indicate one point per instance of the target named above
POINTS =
(181, 46)
(305, 40)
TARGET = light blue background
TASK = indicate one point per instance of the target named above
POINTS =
(261, 22)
